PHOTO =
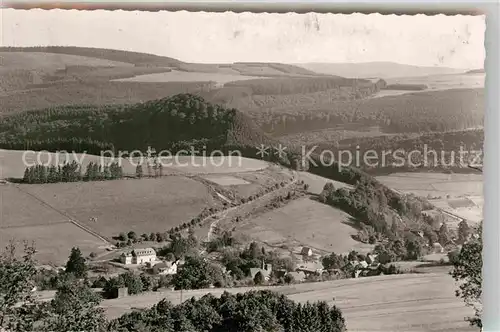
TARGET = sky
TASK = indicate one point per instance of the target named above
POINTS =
(448, 41)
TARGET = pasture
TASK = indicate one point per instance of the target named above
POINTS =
(142, 205)
(316, 182)
(458, 194)
(257, 181)
(184, 76)
(226, 180)
(25, 218)
(304, 222)
(393, 303)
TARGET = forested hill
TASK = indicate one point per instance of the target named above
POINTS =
(173, 123)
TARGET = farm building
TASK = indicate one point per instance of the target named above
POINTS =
(311, 268)
(379, 83)
(126, 258)
(306, 251)
(165, 268)
(371, 259)
(266, 270)
(437, 247)
(139, 256)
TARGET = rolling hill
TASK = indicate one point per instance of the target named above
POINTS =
(377, 69)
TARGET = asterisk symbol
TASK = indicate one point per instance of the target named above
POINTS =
(280, 151)
(262, 151)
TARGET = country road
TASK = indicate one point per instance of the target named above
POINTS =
(224, 213)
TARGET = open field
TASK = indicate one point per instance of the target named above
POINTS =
(23, 217)
(394, 303)
(258, 180)
(226, 180)
(145, 205)
(458, 194)
(53, 241)
(316, 182)
(14, 162)
(183, 76)
(304, 222)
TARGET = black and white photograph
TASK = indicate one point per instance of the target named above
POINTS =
(198, 171)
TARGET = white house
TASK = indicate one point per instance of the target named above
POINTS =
(165, 268)
(126, 258)
(139, 256)
(306, 251)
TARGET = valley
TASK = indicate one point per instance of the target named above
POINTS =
(209, 172)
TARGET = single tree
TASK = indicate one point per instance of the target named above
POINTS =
(76, 263)
(259, 278)
(444, 235)
(17, 280)
(75, 307)
(289, 279)
(463, 231)
(132, 236)
(467, 269)
(123, 237)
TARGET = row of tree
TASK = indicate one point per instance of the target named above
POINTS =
(72, 172)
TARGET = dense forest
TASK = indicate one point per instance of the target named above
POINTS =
(434, 111)
(170, 123)
(453, 150)
(294, 85)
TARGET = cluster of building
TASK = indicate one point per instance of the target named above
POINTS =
(147, 257)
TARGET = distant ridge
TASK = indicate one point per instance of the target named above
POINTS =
(136, 58)
(377, 69)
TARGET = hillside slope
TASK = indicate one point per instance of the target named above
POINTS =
(377, 69)
(136, 58)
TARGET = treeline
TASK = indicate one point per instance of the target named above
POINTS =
(293, 85)
(246, 312)
(433, 111)
(72, 172)
(402, 86)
